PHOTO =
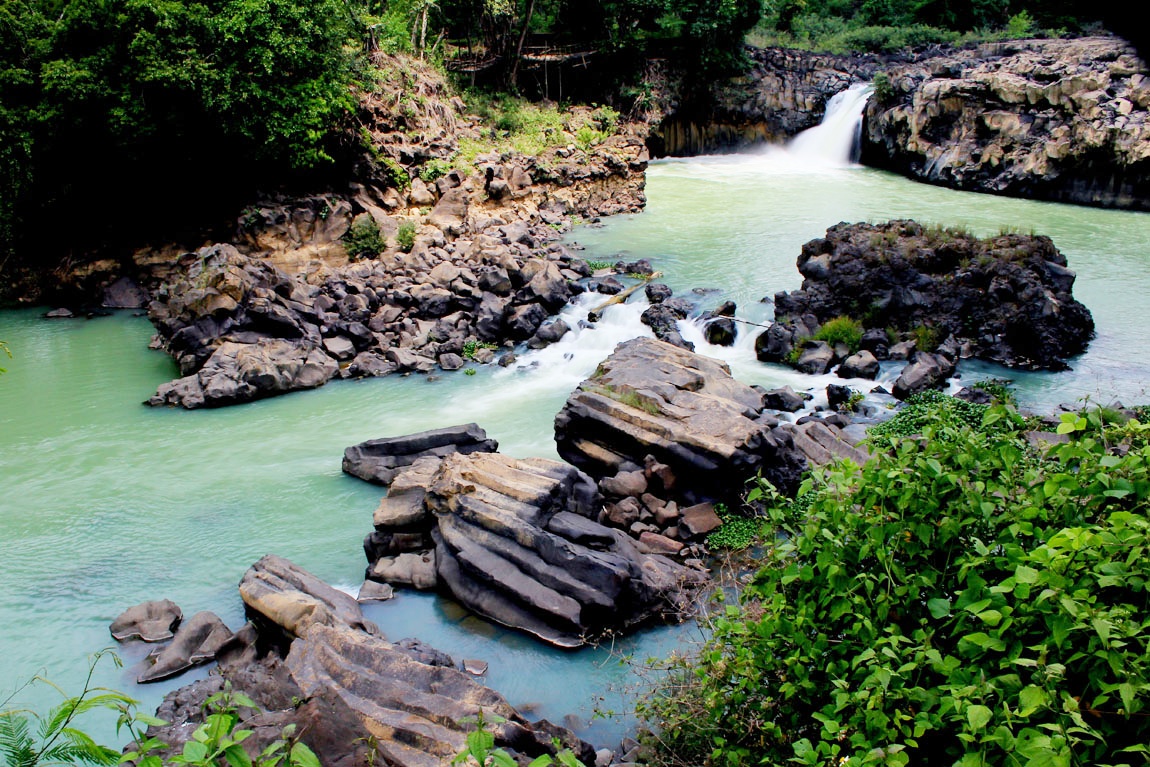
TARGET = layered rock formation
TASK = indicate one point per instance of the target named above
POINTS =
(516, 540)
(353, 696)
(380, 460)
(1062, 120)
(1006, 299)
(650, 398)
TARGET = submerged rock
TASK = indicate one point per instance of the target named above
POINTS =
(195, 643)
(154, 621)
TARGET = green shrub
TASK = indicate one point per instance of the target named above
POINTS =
(883, 88)
(472, 347)
(363, 238)
(960, 600)
(435, 169)
(1019, 25)
(925, 338)
(737, 531)
(841, 330)
(405, 236)
(924, 409)
(394, 173)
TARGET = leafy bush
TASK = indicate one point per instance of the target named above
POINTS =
(435, 169)
(925, 338)
(924, 409)
(363, 238)
(883, 88)
(959, 600)
(841, 330)
(405, 236)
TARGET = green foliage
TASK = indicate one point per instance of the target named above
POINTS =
(737, 531)
(597, 265)
(405, 236)
(480, 750)
(841, 330)
(395, 173)
(925, 338)
(4, 348)
(959, 600)
(883, 88)
(927, 408)
(1020, 24)
(1000, 390)
(29, 739)
(472, 347)
(434, 169)
(363, 238)
(101, 98)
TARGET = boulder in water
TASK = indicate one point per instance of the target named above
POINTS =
(515, 541)
(379, 460)
(196, 642)
(154, 621)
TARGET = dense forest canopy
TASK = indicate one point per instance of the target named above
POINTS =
(142, 116)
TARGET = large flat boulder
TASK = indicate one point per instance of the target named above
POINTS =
(281, 596)
(379, 460)
(650, 398)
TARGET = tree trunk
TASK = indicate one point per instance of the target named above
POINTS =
(519, 47)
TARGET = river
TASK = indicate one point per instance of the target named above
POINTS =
(105, 502)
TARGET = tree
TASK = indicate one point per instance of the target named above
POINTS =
(102, 102)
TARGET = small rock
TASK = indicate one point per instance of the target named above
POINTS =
(699, 519)
(154, 621)
(373, 591)
(624, 484)
(475, 667)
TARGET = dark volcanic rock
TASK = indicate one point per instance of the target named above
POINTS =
(1007, 298)
(1063, 120)
(682, 409)
(378, 460)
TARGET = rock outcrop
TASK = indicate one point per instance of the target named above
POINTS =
(650, 398)
(516, 540)
(1005, 299)
(1063, 120)
(195, 643)
(379, 460)
(353, 696)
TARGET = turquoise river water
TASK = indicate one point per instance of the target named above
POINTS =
(105, 502)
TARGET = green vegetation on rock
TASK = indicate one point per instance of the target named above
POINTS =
(841, 330)
(962, 599)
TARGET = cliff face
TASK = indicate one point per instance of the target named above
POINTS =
(1062, 120)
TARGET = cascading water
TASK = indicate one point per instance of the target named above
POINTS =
(835, 140)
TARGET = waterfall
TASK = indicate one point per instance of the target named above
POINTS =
(834, 141)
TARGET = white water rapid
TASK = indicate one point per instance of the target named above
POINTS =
(835, 140)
